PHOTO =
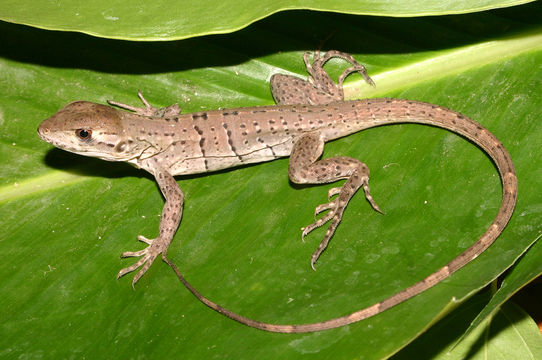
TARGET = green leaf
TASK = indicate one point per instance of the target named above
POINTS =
(175, 20)
(66, 218)
(525, 270)
(509, 333)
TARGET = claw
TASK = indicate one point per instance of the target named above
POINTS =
(335, 210)
(324, 219)
(369, 197)
(148, 255)
(143, 270)
(333, 191)
(133, 267)
(323, 207)
(359, 69)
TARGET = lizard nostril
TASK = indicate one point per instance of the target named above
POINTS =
(42, 130)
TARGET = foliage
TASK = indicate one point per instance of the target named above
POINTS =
(65, 218)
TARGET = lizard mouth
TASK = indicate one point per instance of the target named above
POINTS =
(46, 134)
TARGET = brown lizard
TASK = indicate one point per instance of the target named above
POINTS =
(166, 143)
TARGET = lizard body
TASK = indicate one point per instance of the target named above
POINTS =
(166, 143)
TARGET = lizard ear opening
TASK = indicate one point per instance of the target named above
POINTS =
(83, 134)
(120, 147)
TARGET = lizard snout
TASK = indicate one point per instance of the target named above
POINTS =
(43, 131)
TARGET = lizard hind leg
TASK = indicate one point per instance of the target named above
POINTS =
(319, 88)
(321, 79)
(305, 168)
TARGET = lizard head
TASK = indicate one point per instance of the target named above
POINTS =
(89, 129)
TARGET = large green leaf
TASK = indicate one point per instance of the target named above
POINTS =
(174, 19)
(508, 334)
(66, 218)
(528, 268)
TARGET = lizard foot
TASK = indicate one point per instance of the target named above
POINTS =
(319, 76)
(148, 255)
(335, 210)
(149, 110)
(319, 88)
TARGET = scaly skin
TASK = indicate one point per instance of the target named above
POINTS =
(166, 143)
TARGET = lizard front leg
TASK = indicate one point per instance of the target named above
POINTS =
(305, 168)
(169, 222)
(149, 110)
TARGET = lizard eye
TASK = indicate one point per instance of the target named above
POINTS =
(83, 134)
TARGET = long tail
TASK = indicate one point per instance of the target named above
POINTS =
(456, 123)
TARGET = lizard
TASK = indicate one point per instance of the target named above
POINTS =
(307, 114)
